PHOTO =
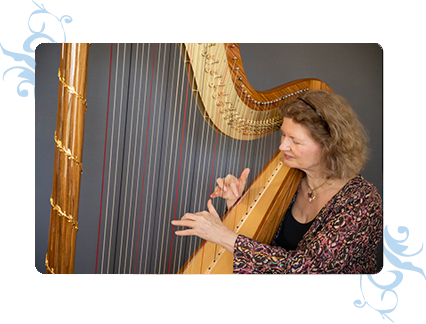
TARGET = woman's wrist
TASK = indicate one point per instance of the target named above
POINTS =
(228, 240)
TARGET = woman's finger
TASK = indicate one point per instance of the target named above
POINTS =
(234, 189)
(186, 232)
(230, 179)
(217, 192)
(187, 220)
(211, 208)
(189, 216)
(243, 178)
(183, 223)
(229, 182)
(220, 182)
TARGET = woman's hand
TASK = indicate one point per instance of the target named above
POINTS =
(231, 188)
(208, 226)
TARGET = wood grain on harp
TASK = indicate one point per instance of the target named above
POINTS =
(68, 167)
(161, 157)
(250, 115)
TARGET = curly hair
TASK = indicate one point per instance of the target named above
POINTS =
(334, 125)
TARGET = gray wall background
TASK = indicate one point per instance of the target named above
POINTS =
(351, 70)
(355, 71)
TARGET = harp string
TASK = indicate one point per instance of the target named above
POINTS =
(124, 216)
(168, 185)
(242, 144)
(103, 165)
(141, 149)
(180, 165)
(212, 177)
(119, 176)
(109, 172)
(144, 164)
(214, 155)
(152, 165)
(133, 190)
(172, 202)
(158, 97)
(186, 175)
(248, 156)
(233, 152)
(168, 179)
(200, 171)
(186, 243)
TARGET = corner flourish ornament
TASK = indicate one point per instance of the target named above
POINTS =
(28, 72)
(396, 249)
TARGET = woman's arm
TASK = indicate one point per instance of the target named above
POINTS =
(344, 242)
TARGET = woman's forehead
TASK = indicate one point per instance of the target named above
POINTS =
(294, 129)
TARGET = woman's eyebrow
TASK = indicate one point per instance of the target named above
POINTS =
(293, 137)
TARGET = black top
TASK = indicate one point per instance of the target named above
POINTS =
(291, 231)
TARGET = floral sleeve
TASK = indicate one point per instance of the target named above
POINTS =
(254, 257)
(343, 239)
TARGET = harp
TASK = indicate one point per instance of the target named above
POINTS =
(178, 116)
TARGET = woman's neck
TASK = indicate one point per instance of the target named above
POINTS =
(315, 179)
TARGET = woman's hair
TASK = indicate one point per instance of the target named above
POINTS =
(335, 127)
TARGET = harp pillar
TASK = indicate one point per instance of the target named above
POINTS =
(68, 158)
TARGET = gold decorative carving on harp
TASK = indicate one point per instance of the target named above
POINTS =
(162, 160)
(68, 137)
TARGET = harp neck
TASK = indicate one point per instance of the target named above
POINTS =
(226, 98)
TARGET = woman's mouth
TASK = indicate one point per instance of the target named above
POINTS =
(288, 157)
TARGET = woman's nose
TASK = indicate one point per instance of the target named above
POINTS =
(284, 145)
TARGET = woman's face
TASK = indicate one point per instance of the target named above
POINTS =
(300, 150)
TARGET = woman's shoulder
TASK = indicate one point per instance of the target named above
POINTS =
(359, 189)
(361, 184)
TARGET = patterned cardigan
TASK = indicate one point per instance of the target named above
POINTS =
(342, 239)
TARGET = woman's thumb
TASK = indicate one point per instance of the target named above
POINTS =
(211, 208)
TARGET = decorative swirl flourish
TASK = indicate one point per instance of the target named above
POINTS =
(28, 72)
(397, 248)
(67, 19)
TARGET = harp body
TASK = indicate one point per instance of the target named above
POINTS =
(156, 144)
(234, 108)
(256, 215)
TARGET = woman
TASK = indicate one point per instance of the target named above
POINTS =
(334, 222)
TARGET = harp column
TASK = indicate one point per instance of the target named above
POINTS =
(68, 165)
